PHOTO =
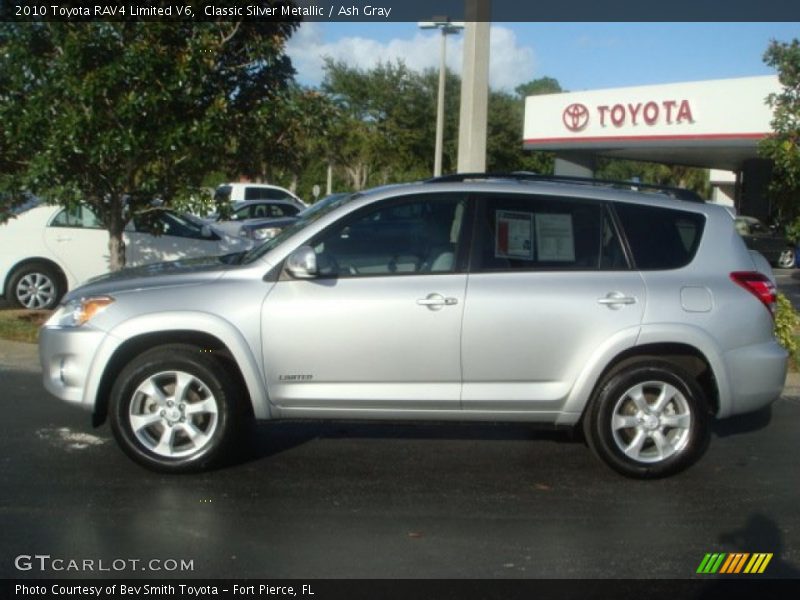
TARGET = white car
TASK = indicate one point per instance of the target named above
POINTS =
(48, 250)
(239, 192)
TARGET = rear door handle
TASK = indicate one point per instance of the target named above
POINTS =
(436, 301)
(615, 300)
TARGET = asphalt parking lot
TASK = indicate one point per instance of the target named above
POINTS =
(350, 500)
(392, 501)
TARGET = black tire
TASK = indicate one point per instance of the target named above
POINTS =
(36, 286)
(625, 430)
(210, 409)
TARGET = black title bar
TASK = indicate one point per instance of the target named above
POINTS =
(399, 10)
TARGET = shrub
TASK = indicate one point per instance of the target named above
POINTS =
(786, 322)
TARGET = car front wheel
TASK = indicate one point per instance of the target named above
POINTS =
(35, 286)
(648, 420)
(175, 409)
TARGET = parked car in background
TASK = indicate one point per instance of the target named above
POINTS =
(774, 246)
(468, 297)
(259, 230)
(240, 192)
(261, 210)
(48, 250)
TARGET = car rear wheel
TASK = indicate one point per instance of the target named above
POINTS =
(175, 409)
(787, 259)
(35, 286)
(648, 420)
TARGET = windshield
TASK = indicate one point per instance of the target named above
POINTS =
(304, 219)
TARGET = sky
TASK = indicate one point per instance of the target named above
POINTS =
(581, 56)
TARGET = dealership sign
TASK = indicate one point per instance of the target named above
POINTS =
(576, 116)
(719, 109)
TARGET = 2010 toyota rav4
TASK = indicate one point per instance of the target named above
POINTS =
(636, 316)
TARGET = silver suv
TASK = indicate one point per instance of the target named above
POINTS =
(633, 315)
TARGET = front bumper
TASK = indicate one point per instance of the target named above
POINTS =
(66, 356)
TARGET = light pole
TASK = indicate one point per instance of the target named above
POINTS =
(444, 25)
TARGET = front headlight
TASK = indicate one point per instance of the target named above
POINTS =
(80, 311)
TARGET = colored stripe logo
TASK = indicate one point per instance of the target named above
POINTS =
(734, 563)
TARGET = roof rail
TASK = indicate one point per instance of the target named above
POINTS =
(673, 192)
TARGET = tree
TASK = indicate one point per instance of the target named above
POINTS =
(692, 178)
(384, 113)
(115, 115)
(783, 146)
(504, 151)
(536, 87)
(301, 119)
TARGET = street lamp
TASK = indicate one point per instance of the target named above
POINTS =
(444, 25)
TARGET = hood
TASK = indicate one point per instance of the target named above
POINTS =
(187, 271)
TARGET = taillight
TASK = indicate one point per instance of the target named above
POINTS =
(759, 285)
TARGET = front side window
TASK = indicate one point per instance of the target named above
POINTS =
(660, 238)
(419, 235)
(519, 232)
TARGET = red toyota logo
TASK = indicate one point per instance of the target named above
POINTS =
(575, 117)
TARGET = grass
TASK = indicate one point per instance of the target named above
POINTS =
(22, 325)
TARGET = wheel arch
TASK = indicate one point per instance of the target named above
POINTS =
(684, 356)
(59, 270)
(236, 364)
(685, 346)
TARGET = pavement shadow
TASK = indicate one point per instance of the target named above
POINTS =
(759, 534)
(271, 438)
(739, 424)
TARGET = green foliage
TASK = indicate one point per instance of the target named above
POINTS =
(118, 114)
(792, 231)
(383, 131)
(783, 147)
(672, 175)
(786, 323)
(536, 87)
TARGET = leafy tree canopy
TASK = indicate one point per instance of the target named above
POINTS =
(783, 147)
(119, 114)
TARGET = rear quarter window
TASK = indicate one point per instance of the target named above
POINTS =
(660, 238)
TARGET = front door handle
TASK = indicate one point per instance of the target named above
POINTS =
(616, 300)
(436, 301)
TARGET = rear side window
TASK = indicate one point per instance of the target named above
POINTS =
(78, 216)
(539, 233)
(661, 238)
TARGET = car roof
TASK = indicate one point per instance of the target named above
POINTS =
(554, 187)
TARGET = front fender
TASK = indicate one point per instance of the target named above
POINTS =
(173, 321)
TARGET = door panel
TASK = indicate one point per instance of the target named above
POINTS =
(380, 327)
(550, 284)
(527, 335)
(77, 239)
(364, 342)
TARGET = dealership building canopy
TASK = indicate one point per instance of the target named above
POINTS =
(714, 124)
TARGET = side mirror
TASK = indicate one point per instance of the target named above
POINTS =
(206, 232)
(302, 263)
